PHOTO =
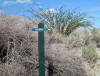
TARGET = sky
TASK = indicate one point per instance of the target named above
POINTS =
(20, 7)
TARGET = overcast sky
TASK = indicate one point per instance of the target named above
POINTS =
(18, 7)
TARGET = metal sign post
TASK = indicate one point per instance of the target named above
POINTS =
(41, 48)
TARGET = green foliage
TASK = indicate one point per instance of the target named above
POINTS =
(89, 54)
(63, 21)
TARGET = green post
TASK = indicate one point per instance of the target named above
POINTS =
(41, 51)
(41, 48)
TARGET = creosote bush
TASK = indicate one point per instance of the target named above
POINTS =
(89, 54)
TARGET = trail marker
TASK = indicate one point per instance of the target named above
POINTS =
(41, 47)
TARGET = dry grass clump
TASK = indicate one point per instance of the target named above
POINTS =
(64, 62)
(3, 70)
(22, 47)
(67, 66)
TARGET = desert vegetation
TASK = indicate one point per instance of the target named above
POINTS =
(63, 21)
(71, 49)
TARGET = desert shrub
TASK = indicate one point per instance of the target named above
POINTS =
(89, 54)
(74, 41)
(70, 66)
(64, 60)
(21, 55)
(63, 21)
(87, 37)
(96, 36)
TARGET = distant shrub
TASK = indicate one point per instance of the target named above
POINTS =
(96, 36)
(87, 37)
(89, 54)
(94, 33)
